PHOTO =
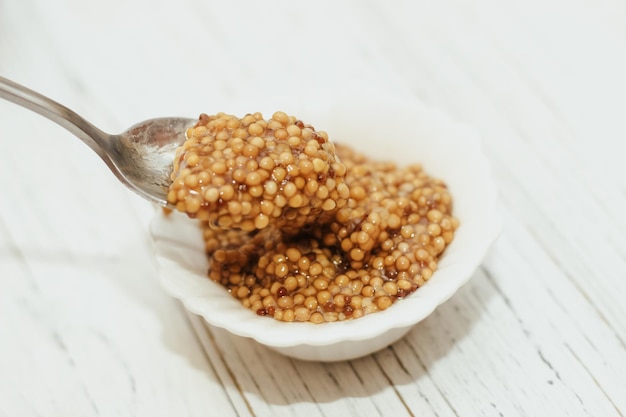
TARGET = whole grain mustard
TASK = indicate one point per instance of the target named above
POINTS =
(300, 229)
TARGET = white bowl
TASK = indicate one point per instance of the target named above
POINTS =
(386, 128)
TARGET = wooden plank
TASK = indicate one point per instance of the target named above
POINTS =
(540, 329)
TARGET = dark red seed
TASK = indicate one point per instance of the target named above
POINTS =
(403, 293)
(261, 312)
(391, 274)
(271, 310)
(282, 291)
(329, 306)
(347, 310)
(318, 138)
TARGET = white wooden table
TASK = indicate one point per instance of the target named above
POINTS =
(540, 330)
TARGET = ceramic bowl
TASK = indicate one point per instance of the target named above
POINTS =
(386, 128)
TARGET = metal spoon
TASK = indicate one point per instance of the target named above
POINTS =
(141, 157)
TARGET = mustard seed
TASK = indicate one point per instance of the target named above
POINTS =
(383, 302)
(302, 314)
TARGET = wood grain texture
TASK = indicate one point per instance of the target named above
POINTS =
(540, 330)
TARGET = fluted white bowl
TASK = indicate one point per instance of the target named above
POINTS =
(386, 128)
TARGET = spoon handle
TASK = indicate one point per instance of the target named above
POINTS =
(85, 131)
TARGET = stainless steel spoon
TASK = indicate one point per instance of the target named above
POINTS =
(141, 157)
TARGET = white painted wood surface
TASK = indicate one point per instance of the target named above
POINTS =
(540, 330)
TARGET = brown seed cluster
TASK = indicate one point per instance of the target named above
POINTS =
(247, 173)
(373, 237)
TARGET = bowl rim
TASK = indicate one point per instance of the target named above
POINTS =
(403, 313)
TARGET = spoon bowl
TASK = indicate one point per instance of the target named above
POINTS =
(140, 157)
(143, 155)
